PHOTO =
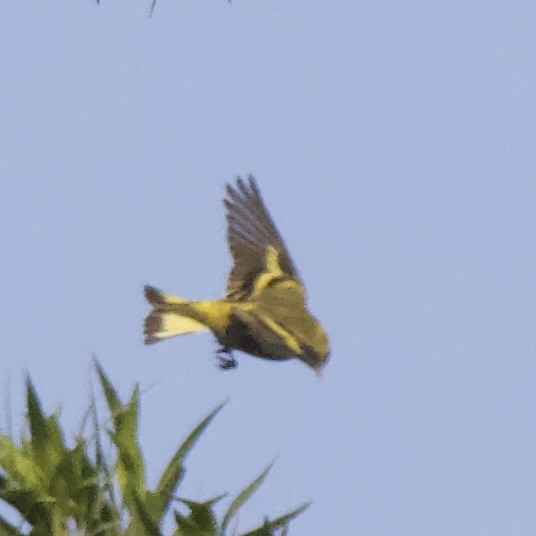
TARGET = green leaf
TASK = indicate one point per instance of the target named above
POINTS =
(74, 484)
(20, 468)
(29, 505)
(173, 473)
(46, 441)
(107, 493)
(201, 514)
(189, 442)
(200, 521)
(130, 469)
(38, 424)
(243, 496)
(114, 404)
(149, 526)
(55, 435)
(264, 530)
(157, 502)
(279, 522)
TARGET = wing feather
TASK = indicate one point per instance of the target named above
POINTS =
(257, 248)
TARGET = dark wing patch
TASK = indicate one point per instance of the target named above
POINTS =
(258, 335)
(252, 236)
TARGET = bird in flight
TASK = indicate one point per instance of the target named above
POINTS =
(264, 311)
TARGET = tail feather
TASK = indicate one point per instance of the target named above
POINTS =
(166, 319)
(160, 325)
(158, 298)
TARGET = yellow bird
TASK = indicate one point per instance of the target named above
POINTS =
(264, 311)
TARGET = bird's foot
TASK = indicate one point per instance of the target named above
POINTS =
(226, 361)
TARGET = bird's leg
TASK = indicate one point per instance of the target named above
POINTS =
(225, 357)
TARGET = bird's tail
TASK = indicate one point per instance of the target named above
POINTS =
(169, 317)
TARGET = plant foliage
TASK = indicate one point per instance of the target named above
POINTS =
(62, 490)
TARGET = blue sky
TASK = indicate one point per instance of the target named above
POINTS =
(394, 144)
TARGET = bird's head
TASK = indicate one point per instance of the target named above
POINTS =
(316, 351)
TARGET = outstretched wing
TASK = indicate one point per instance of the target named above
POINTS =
(259, 253)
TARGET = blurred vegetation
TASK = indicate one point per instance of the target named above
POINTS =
(59, 490)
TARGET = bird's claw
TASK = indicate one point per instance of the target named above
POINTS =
(226, 361)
